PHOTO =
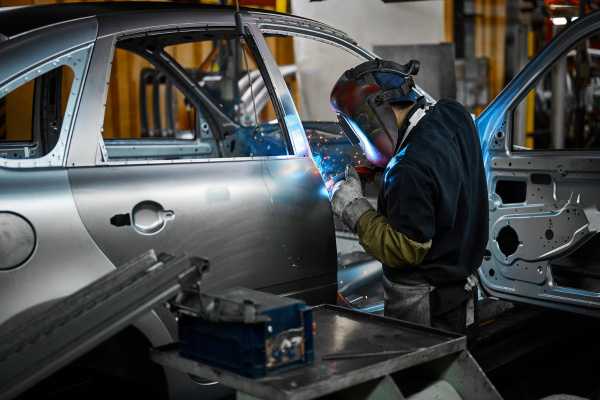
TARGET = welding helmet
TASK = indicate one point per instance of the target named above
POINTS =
(362, 100)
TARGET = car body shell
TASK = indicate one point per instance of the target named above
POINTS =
(263, 222)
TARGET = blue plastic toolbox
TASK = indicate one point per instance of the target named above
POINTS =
(248, 332)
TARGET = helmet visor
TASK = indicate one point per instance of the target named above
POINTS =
(351, 130)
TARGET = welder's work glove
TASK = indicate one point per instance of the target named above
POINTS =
(348, 201)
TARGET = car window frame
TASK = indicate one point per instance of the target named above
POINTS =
(289, 25)
(287, 115)
(76, 56)
(499, 115)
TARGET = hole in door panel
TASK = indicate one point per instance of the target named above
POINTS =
(541, 179)
(511, 192)
(580, 269)
(508, 241)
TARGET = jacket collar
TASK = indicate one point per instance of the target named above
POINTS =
(421, 102)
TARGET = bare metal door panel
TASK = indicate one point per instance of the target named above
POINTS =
(260, 223)
(543, 214)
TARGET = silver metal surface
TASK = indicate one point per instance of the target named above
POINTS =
(557, 218)
(496, 117)
(261, 94)
(559, 91)
(38, 347)
(65, 258)
(149, 217)
(284, 101)
(40, 46)
(132, 22)
(544, 205)
(244, 215)
(405, 347)
(295, 26)
(86, 135)
(17, 240)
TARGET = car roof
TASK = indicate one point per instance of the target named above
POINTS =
(15, 21)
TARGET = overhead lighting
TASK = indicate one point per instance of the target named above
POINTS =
(574, 18)
(562, 6)
(559, 21)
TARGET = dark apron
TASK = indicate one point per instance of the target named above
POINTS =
(414, 299)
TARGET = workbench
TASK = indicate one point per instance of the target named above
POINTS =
(360, 356)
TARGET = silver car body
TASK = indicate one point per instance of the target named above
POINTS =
(263, 222)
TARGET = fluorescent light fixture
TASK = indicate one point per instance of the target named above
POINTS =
(559, 21)
(574, 18)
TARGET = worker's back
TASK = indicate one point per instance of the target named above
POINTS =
(435, 188)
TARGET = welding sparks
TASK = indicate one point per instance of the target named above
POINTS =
(331, 154)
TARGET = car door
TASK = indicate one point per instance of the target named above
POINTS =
(541, 143)
(228, 182)
(359, 275)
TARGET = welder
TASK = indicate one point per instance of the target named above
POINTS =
(431, 225)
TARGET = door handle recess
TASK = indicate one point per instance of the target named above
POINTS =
(149, 217)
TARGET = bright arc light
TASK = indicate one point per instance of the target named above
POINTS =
(559, 21)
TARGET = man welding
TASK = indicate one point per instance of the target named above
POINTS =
(430, 229)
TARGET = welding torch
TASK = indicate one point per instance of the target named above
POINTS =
(366, 174)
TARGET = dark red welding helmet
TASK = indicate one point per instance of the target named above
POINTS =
(362, 100)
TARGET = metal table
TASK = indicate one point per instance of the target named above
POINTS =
(359, 356)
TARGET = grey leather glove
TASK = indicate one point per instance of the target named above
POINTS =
(348, 201)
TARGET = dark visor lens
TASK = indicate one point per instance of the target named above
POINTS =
(347, 129)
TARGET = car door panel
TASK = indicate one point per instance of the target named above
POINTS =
(260, 223)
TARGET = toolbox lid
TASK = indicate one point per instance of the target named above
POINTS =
(263, 301)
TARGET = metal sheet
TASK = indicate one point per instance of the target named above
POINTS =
(86, 134)
(283, 100)
(38, 347)
(17, 240)
(42, 45)
(65, 258)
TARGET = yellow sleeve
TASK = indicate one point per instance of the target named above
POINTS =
(386, 244)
